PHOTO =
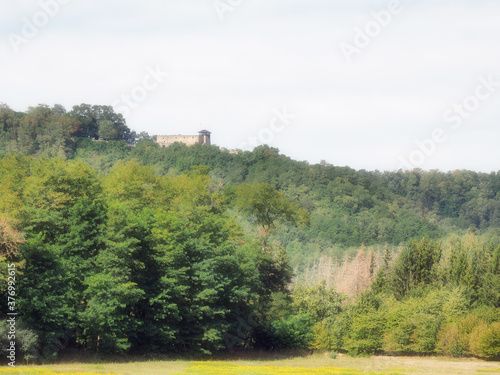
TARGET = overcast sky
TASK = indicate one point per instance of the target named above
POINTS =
(369, 84)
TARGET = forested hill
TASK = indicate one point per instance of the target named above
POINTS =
(111, 244)
(348, 207)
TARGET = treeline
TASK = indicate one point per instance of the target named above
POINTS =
(433, 298)
(134, 262)
(348, 208)
(51, 132)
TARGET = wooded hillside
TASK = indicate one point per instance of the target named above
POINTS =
(121, 246)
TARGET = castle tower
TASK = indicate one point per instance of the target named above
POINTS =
(204, 137)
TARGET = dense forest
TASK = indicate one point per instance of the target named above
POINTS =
(121, 246)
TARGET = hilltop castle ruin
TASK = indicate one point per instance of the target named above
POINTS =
(203, 138)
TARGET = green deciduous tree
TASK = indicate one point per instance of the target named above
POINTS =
(317, 301)
(267, 207)
(108, 130)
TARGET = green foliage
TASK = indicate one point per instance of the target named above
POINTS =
(472, 263)
(201, 268)
(414, 323)
(95, 119)
(42, 293)
(319, 302)
(450, 341)
(366, 333)
(291, 332)
(27, 343)
(485, 340)
(367, 324)
(332, 332)
(416, 266)
(471, 335)
(51, 132)
(346, 207)
(133, 262)
(108, 130)
(267, 207)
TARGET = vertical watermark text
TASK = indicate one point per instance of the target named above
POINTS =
(11, 314)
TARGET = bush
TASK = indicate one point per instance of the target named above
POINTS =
(399, 339)
(322, 337)
(292, 332)
(340, 329)
(485, 340)
(466, 327)
(413, 324)
(366, 333)
(449, 342)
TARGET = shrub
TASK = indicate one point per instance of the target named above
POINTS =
(398, 339)
(322, 337)
(414, 323)
(366, 333)
(485, 340)
(449, 342)
(466, 327)
(292, 332)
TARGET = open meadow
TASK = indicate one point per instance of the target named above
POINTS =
(315, 364)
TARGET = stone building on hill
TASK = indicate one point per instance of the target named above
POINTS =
(203, 138)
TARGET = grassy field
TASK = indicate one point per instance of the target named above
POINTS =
(314, 364)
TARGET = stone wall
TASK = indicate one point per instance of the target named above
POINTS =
(167, 140)
(203, 138)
